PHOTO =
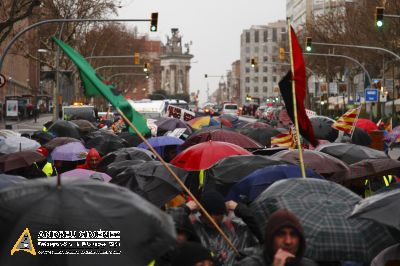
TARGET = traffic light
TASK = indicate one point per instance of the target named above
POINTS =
(146, 68)
(154, 21)
(282, 54)
(248, 97)
(205, 75)
(147, 75)
(136, 59)
(253, 63)
(379, 16)
(308, 44)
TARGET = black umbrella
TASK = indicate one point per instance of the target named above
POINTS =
(62, 128)
(10, 180)
(42, 137)
(374, 168)
(261, 135)
(350, 153)
(116, 168)
(322, 126)
(133, 140)
(269, 151)
(84, 126)
(360, 137)
(96, 134)
(165, 124)
(52, 144)
(152, 181)
(107, 143)
(145, 232)
(131, 153)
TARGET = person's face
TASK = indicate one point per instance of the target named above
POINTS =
(93, 162)
(287, 239)
(204, 263)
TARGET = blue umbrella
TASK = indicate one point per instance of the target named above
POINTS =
(159, 143)
(249, 187)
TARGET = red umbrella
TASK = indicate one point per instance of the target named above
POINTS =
(224, 136)
(204, 155)
(366, 124)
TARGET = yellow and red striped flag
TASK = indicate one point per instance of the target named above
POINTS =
(347, 121)
(284, 140)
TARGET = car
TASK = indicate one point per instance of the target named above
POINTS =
(260, 111)
(230, 108)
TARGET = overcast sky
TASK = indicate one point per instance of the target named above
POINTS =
(213, 26)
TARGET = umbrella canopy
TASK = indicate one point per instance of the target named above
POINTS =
(249, 187)
(269, 151)
(10, 180)
(84, 125)
(350, 153)
(382, 208)
(366, 124)
(322, 126)
(161, 142)
(230, 170)
(18, 160)
(9, 133)
(118, 167)
(256, 125)
(361, 137)
(323, 207)
(74, 151)
(374, 167)
(224, 136)
(133, 140)
(393, 134)
(145, 231)
(202, 121)
(106, 143)
(202, 156)
(63, 128)
(322, 163)
(131, 153)
(86, 174)
(261, 135)
(152, 181)
(42, 137)
(52, 144)
(15, 144)
(165, 124)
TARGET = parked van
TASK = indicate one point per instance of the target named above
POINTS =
(230, 108)
(150, 108)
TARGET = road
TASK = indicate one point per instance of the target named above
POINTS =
(247, 118)
(29, 124)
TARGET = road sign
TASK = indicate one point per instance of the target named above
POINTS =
(2, 80)
(371, 95)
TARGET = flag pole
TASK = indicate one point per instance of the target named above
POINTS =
(354, 123)
(296, 122)
(224, 236)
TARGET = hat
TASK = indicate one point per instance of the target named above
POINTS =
(213, 202)
(190, 253)
(278, 220)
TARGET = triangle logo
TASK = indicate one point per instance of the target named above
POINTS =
(24, 243)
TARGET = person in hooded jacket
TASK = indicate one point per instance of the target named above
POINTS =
(92, 160)
(284, 243)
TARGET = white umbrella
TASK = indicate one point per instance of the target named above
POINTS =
(9, 133)
(14, 144)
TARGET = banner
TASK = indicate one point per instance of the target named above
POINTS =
(12, 108)
(180, 113)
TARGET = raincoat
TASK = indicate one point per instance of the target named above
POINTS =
(88, 165)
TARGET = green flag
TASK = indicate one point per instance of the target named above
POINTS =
(94, 86)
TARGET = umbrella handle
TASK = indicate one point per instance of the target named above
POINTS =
(180, 183)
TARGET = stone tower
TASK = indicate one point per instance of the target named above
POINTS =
(175, 65)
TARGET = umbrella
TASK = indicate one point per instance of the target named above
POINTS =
(20, 159)
(116, 168)
(269, 151)
(98, 133)
(42, 137)
(256, 125)
(62, 128)
(10, 180)
(83, 205)
(202, 121)
(165, 124)
(84, 125)
(374, 167)
(86, 174)
(261, 135)
(9, 133)
(322, 126)
(323, 207)
(393, 134)
(350, 153)
(202, 156)
(382, 208)
(74, 151)
(230, 170)
(366, 124)
(161, 142)
(15, 144)
(133, 140)
(249, 187)
(322, 163)
(152, 181)
(360, 137)
(106, 143)
(224, 136)
(52, 144)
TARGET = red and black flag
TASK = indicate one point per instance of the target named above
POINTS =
(285, 86)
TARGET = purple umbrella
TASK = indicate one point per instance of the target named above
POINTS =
(86, 174)
(74, 151)
(393, 135)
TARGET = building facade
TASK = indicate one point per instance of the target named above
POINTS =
(175, 65)
(261, 44)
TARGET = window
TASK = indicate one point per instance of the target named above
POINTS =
(265, 79)
(274, 35)
(256, 49)
(247, 89)
(256, 69)
(255, 79)
(265, 59)
(274, 70)
(265, 89)
(266, 36)
(265, 69)
(247, 59)
(247, 70)
(256, 36)
(255, 89)
(265, 49)
(247, 79)
(247, 36)
(274, 78)
(247, 49)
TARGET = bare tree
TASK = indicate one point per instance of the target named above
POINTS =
(13, 11)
